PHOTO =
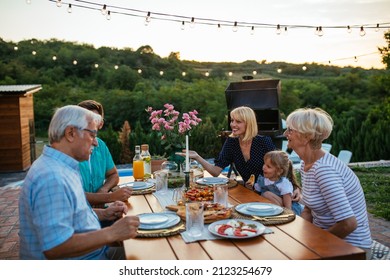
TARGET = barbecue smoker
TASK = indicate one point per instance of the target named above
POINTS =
(263, 97)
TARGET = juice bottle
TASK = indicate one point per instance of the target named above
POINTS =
(147, 160)
(138, 165)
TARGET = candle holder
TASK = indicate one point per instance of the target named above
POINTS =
(187, 180)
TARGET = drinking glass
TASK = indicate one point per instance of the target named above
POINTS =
(194, 218)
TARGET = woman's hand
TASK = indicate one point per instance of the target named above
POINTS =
(296, 195)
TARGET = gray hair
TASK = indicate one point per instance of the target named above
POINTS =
(70, 115)
(314, 123)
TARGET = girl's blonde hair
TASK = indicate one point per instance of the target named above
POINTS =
(280, 160)
(248, 116)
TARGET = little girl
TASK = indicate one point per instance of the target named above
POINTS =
(279, 181)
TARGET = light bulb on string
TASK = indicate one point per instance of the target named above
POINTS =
(16, 48)
(69, 8)
(219, 26)
(279, 70)
(183, 74)
(34, 52)
(207, 74)
(54, 58)
(316, 32)
(304, 68)
(377, 27)
(58, 3)
(230, 74)
(116, 67)
(252, 30)
(235, 27)
(75, 62)
(139, 71)
(285, 31)
(104, 10)
(254, 72)
(192, 24)
(108, 16)
(362, 32)
(355, 59)
(183, 25)
(28, 1)
(161, 73)
(278, 30)
(320, 32)
(96, 65)
(349, 30)
(147, 19)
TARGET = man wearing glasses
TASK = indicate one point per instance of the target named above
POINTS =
(56, 221)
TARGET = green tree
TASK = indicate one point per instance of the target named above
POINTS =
(385, 51)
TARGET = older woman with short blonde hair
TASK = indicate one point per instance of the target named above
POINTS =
(331, 192)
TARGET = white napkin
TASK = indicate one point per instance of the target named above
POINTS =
(207, 235)
(164, 198)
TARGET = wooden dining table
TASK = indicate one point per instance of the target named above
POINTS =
(295, 240)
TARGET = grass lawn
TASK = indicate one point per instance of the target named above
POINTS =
(376, 185)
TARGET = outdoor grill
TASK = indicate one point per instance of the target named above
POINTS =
(263, 97)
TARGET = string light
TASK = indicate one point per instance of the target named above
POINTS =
(54, 58)
(207, 74)
(183, 74)
(355, 59)
(28, 1)
(116, 67)
(147, 19)
(161, 73)
(320, 32)
(207, 21)
(362, 32)
(192, 24)
(252, 30)
(230, 74)
(278, 31)
(183, 26)
(254, 72)
(108, 16)
(58, 3)
(304, 68)
(96, 65)
(279, 70)
(34, 52)
(349, 30)
(235, 27)
(75, 62)
(104, 10)
(70, 8)
(16, 48)
(139, 71)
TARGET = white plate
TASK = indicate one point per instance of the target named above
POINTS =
(138, 185)
(260, 228)
(153, 218)
(259, 209)
(212, 181)
(172, 220)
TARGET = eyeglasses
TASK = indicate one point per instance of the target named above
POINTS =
(93, 133)
(290, 130)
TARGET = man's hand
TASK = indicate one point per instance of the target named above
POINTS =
(122, 194)
(114, 211)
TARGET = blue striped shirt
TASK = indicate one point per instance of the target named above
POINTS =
(53, 206)
(333, 192)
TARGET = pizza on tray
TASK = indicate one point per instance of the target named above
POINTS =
(212, 212)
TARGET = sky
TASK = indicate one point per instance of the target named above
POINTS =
(43, 20)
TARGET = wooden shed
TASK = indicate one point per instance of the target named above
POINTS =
(17, 131)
